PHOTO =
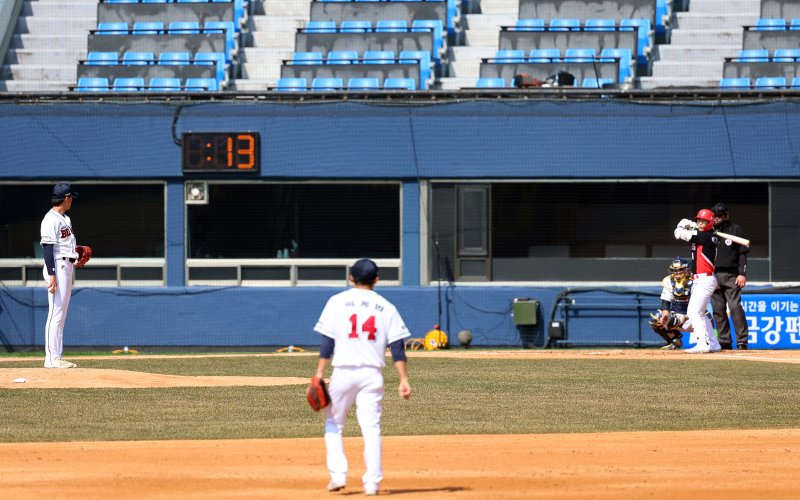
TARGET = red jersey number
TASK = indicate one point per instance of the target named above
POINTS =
(368, 326)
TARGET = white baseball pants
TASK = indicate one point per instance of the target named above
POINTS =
(57, 314)
(364, 387)
(702, 289)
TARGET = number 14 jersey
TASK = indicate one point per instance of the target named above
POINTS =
(362, 323)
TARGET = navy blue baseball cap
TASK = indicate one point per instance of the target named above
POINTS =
(63, 190)
(364, 271)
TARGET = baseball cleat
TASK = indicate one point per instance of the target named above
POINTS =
(336, 486)
(668, 347)
(60, 363)
(698, 350)
(371, 490)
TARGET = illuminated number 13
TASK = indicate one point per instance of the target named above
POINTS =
(368, 326)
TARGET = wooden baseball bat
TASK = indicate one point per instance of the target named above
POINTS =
(736, 239)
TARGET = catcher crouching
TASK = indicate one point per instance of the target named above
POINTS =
(671, 319)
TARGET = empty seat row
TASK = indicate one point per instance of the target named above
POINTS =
(328, 84)
(572, 24)
(776, 24)
(762, 55)
(173, 28)
(764, 82)
(147, 58)
(593, 83)
(382, 26)
(570, 55)
(643, 27)
(369, 57)
(95, 84)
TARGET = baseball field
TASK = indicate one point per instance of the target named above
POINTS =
(571, 423)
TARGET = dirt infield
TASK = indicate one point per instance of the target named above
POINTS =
(708, 464)
(657, 465)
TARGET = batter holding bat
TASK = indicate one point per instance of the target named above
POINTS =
(704, 251)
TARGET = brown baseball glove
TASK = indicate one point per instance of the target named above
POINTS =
(317, 394)
(84, 254)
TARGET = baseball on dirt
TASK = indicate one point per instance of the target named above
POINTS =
(465, 337)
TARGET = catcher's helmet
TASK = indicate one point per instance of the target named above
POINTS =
(679, 266)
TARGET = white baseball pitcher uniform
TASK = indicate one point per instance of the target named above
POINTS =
(362, 323)
(56, 230)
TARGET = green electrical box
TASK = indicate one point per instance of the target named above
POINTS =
(525, 311)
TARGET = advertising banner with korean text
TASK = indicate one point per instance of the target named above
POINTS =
(773, 321)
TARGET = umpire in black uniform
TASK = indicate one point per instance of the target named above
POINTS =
(731, 271)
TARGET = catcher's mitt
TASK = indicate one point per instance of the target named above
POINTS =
(84, 254)
(317, 394)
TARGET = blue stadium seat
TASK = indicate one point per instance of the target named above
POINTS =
(493, 83)
(544, 55)
(138, 58)
(191, 1)
(342, 57)
(358, 26)
(379, 57)
(128, 84)
(595, 83)
(161, 84)
(643, 28)
(391, 26)
(796, 82)
(509, 56)
(786, 55)
(363, 84)
(184, 28)
(122, 1)
(438, 29)
(148, 28)
(624, 56)
(286, 84)
(112, 29)
(770, 82)
(529, 25)
(226, 27)
(321, 27)
(200, 84)
(753, 55)
(600, 25)
(92, 85)
(209, 58)
(560, 24)
(156, 1)
(579, 55)
(400, 84)
(795, 24)
(770, 24)
(731, 83)
(307, 57)
(424, 58)
(327, 84)
(102, 58)
(174, 58)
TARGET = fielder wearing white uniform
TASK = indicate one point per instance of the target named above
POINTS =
(357, 325)
(58, 247)
(704, 251)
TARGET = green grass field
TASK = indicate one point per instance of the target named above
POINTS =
(451, 396)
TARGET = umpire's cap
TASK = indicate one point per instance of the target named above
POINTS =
(719, 209)
(63, 190)
(364, 271)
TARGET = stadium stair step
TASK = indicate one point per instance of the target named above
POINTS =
(700, 40)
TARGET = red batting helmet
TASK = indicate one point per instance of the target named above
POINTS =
(706, 215)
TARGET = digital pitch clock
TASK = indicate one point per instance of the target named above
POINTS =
(221, 151)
